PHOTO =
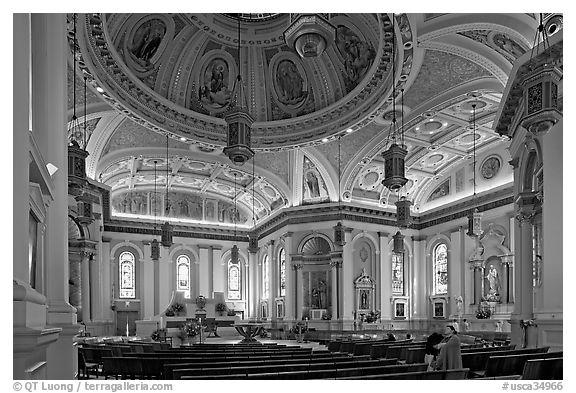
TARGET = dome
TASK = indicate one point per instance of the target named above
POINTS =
(177, 73)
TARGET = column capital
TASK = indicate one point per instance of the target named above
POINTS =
(297, 266)
(216, 248)
(525, 217)
(336, 264)
(476, 264)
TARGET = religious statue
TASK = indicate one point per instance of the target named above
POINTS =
(459, 301)
(494, 283)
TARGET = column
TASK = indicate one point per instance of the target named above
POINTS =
(347, 277)
(290, 289)
(203, 271)
(75, 281)
(417, 267)
(273, 272)
(252, 274)
(385, 277)
(334, 290)
(478, 280)
(337, 291)
(85, 269)
(106, 283)
(147, 295)
(96, 284)
(49, 92)
(210, 272)
(217, 269)
(299, 284)
(523, 294)
(506, 267)
(164, 279)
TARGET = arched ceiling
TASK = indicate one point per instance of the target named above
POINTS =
(445, 63)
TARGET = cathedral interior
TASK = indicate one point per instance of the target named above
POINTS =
(359, 172)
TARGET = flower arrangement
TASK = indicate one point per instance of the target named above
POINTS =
(190, 329)
(231, 312)
(372, 317)
(326, 317)
(524, 323)
(177, 307)
(221, 307)
(483, 313)
(200, 302)
(299, 328)
(155, 336)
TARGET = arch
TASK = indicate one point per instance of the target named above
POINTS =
(108, 124)
(440, 274)
(368, 236)
(126, 275)
(183, 274)
(439, 237)
(313, 235)
(129, 244)
(182, 247)
(227, 255)
(75, 230)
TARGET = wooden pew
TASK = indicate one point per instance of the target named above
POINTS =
(476, 361)
(415, 355)
(418, 375)
(513, 364)
(538, 369)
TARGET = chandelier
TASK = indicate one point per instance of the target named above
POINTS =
(234, 251)
(339, 229)
(474, 217)
(167, 229)
(394, 157)
(239, 121)
(309, 34)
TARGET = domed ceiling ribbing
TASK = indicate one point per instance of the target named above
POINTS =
(176, 72)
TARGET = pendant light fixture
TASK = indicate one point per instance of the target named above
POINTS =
(252, 237)
(239, 120)
(339, 238)
(398, 243)
(167, 229)
(394, 157)
(77, 138)
(234, 251)
(474, 217)
(155, 246)
(403, 219)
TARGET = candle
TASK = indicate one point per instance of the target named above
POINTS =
(126, 328)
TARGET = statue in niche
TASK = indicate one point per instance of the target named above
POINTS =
(210, 207)
(358, 55)
(146, 41)
(318, 294)
(184, 208)
(494, 283)
(290, 83)
(214, 92)
(364, 300)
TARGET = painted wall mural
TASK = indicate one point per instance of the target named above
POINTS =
(314, 188)
(357, 54)
(215, 92)
(181, 205)
(290, 85)
(441, 191)
(146, 40)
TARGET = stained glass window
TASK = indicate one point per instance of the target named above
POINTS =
(397, 274)
(282, 259)
(265, 278)
(440, 266)
(234, 280)
(127, 276)
(183, 275)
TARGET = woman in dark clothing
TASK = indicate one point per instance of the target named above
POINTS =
(431, 349)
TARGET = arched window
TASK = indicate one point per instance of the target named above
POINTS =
(440, 266)
(183, 275)
(265, 278)
(397, 274)
(282, 260)
(234, 280)
(127, 272)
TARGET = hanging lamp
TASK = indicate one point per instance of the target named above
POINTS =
(398, 243)
(339, 229)
(239, 121)
(403, 218)
(167, 228)
(253, 237)
(394, 157)
(77, 138)
(154, 245)
(474, 217)
(309, 34)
